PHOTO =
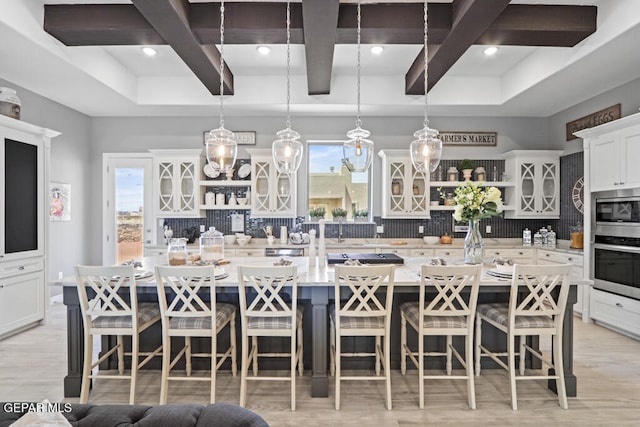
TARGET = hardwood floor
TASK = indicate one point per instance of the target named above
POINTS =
(607, 365)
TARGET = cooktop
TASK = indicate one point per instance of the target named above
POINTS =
(365, 258)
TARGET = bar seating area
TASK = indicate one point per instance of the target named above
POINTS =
(271, 305)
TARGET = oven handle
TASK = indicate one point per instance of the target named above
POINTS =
(620, 248)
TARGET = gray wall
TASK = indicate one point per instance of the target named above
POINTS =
(70, 163)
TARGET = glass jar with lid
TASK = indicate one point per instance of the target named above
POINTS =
(452, 174)
(576, 234)
(177, 251)
(211, 246)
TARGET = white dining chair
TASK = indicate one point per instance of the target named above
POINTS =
(363, 301)
(109, 305)
(188, 307)
(537, 303)
(269, 308)
(446, 307)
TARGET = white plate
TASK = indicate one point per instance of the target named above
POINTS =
(138, 275)
(244, 171)
(496, 273)
(210, 171)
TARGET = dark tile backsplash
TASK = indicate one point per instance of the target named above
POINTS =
(571, 168)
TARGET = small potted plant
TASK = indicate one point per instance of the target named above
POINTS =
(316, 214)
(339, 214)
(466, 166)
(361, 216)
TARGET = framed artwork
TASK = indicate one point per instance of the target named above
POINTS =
(59, 202)
(242, 137)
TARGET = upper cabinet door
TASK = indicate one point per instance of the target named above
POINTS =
(176, 183)
(405, 191)
(536, 192)
(273, 194)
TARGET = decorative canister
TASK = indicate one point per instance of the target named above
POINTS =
(177, 251)
(211, 246)
(480, 174)
(395, 188)
(452, 174)
(210, 198)
(9, 103)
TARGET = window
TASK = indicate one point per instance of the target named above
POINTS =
(331, 184)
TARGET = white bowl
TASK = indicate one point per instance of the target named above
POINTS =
(242, 201)
(229, 239)
(243, 240)
(431, 240)
(504, 268)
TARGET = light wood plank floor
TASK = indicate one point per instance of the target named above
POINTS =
(33, 365)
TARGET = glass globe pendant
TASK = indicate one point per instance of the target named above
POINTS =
(358, 150)
(221, 146)
(426, 149)
(287, 150)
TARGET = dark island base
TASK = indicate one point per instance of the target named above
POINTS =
(315, 303)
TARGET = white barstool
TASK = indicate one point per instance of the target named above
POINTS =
(360, 312)
(537, 303)
(109, 305)
(267, 311)
(450, 312)
(188, 307)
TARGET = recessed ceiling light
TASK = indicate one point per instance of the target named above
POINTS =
(149, 51)
(491, 50)
(263, 50)
(377, 50)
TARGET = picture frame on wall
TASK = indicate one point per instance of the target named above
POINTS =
(242, 137)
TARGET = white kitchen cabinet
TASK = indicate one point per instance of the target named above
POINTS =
(24, 221)
(451, 252)
(614, 148)
(536, 175)
(405, 191)
(552, 257)
(273, 194)
(421, 252)
(176, 183)
(618, 312)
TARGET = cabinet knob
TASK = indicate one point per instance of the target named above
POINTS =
(570, 259)
(21, 267)
(520, 253)
(547, 255)
(619, 305)
(497, 253)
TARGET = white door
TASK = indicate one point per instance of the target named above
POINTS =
(128, 206)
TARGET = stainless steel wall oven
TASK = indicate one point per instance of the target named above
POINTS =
(615, 254)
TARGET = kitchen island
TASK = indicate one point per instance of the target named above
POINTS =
(315, 282)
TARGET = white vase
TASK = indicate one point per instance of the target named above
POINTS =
(466, 173)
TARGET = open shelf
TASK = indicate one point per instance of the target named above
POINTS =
(224, 183)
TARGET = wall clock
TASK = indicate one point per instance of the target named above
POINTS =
(577, 195)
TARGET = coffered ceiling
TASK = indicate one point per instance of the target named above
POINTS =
(86, 55)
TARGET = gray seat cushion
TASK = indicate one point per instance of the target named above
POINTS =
(499, 313)
(147, 311)
(259, 322)
(357, 322)
(224, 312)
(411, 311)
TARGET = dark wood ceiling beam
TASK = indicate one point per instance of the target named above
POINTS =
(470, 19)
(171, 19)
(320, 22)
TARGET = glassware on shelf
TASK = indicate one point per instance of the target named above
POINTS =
(452, 174)
(480, 174)
(494, 176)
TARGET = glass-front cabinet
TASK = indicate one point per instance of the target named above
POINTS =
(405, 191)
(176, 180)
(274, 193)
(536, 190)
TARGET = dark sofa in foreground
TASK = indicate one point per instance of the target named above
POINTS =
(176, 415)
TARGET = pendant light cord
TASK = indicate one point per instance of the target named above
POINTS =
(221, 63)
(358, 121)
(288, 122)
(426, 65)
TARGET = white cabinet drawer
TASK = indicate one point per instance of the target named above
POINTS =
(449, 252)
(560, 257)
(249, 252)
(515, 254)
(22, 266)
(399, 252)
(615, 310)
(421, 252)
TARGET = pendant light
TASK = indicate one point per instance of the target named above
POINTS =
(287, 150)
(358, 150)
(426, 150)
(221, 145)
